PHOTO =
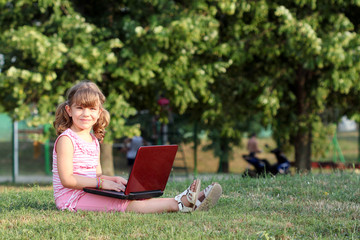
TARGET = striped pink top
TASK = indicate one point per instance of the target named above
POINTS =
(85, 161)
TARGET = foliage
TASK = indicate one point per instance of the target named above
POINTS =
(289, 61)
(47, 47)
(221, 63)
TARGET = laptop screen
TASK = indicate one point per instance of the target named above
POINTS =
(151, 168)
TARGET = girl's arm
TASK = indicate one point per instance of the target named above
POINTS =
(64, 150)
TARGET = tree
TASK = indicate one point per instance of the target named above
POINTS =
(223, 63)
(320, 45)
(132, 50)
(47, 46)
(168, 48)
(288, 59)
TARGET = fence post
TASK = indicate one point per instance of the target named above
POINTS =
(337, 150)
(47, 150)
(195, 149)
(358, 142)
(15, 153)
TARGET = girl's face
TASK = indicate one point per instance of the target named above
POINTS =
(83, 118)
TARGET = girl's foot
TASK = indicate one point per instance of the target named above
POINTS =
(208, 197)
(187, 199)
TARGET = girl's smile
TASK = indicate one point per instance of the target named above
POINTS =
(83, 118)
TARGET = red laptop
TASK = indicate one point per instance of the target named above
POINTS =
(149, 175)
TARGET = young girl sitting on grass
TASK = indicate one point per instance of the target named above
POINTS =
(80, 124)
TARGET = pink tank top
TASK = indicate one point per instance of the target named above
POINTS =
(85, 161)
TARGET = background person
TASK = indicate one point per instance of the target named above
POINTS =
(252, 145)
(253, 148)
(132, 145)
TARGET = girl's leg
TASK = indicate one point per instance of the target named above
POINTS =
(153, 205)
(92, 202)
(158, 205)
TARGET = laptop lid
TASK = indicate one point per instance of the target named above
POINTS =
(151, 169)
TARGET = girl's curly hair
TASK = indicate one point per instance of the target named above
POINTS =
(85, 94)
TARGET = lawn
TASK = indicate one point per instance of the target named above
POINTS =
(321, 206)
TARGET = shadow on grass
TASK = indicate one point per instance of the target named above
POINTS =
(25, 196)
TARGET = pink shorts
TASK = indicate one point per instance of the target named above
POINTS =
(92, 202)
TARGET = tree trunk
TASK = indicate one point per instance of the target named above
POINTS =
(302, 138)
(223, 165)
(303, 151)
(106, 159)
(358, 143)
(224, 157)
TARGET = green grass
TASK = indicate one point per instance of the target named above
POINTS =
(323, 206)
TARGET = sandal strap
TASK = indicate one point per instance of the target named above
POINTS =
(197, 204)
(190, 196)
(183, 208)
(207, 190)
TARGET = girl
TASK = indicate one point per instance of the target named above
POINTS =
(80, 124)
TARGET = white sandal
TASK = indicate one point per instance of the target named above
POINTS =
(212, 194)
(190, 195)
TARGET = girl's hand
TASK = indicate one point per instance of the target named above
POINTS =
(120, 180)
(110, 185)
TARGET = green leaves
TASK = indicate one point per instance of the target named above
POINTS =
(302, 42)
(221, 62)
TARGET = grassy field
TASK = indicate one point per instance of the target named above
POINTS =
(323, 206)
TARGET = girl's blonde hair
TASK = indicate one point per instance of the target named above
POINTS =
(85, 94)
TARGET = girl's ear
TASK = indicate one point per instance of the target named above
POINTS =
(68, 110)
